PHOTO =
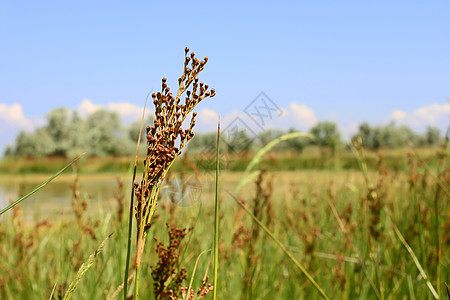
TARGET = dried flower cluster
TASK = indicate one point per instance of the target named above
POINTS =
(167, 274)
(166, 138)
(120, 196)
(80, 207)
(203, 290)
(165, 141)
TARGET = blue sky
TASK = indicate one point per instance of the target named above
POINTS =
(346, 61)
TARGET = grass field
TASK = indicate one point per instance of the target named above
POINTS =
(382, 234)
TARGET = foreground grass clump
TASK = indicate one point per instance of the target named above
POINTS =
(328, 220)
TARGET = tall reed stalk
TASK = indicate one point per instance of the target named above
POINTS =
(216, 217)
(165, 141)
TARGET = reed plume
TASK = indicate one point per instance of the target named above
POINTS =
(165, 141)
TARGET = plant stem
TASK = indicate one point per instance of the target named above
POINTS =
(414, 258)
(216, 217)
(130, 221)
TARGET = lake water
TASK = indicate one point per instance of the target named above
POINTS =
(99, 190)
(55, 198)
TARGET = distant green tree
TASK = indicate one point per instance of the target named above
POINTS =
(433, 135)
(202, 142)
(297, 144)
(238, 141)
(367, 135)
(45, 144)
(9, 151)
(135, 127)
(77, 133)
(104, 130)
(25, 145)
(57, 133)
(391, 136)
(326, 134)
(267, 136)
(67, 134)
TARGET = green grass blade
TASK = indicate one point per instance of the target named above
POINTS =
(360, 261)
(130, 216)
(84, 268)
(194, 271)
(285, 250)
(416, 261)
(53, 291)
(216, 217)
(412, 295)
(38, 187)
(257, 158)
(120, 288)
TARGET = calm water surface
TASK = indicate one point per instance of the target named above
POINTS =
(56, 197)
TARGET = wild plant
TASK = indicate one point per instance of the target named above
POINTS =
(165, 141)
(119, 195)
(80, 208)
(168, 275)
(261, 208)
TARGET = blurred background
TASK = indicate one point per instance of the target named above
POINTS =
(346, 62)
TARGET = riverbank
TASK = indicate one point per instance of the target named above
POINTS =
(311, 158)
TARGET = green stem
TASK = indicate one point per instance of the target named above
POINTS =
(216, 217)
(130, 216)
(136, 286)
(414, 258)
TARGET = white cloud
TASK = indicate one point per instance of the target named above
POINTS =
(296, 115)
(12, 120)
(399, 114)
(127, 111)
(304, 115)
(207, 119)
(433, 114)
(86, 107)
(299, 116)
(13, 115)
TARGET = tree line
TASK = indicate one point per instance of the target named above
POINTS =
(102, 133)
